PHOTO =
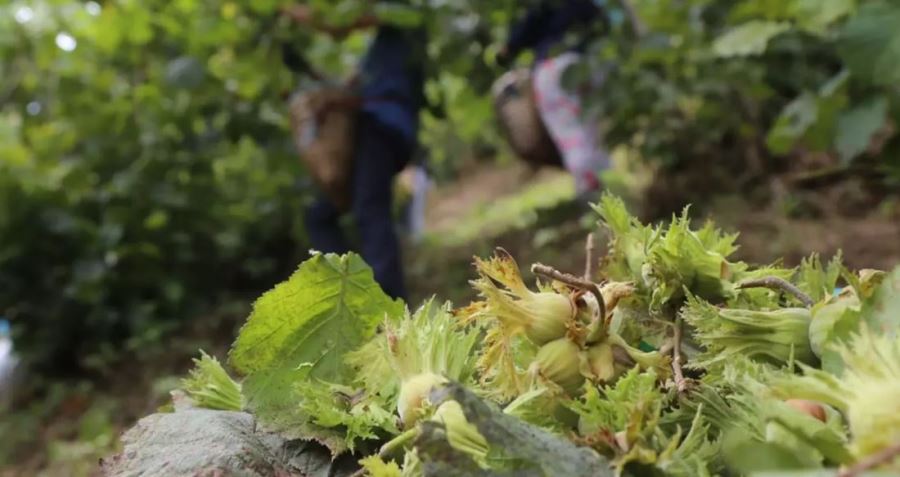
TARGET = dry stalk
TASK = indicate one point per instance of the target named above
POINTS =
(776, 283)
(885, 456)
(680, 382)
(572, 281)
(589, 257)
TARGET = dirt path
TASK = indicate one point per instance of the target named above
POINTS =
(455, 202)
(866, 242)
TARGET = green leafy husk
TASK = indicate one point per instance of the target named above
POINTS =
(412, 355)
(340, 407)
(526, 382)
(666, 261)
(778, 336)
(542, 316)
(209, 385)
(867, 391)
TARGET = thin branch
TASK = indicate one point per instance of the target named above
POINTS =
(667, 347)
(680, 382)
(776, 283)
(572, 281)
(589, 257)
(885, 456)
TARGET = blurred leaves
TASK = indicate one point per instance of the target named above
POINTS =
(147, 167)
(712, 76)
(816, 16)
(870, 42)
(810, 119)
(137, 179)
(751, 38)
(857, 126)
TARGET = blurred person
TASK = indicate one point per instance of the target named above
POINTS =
(390, 85)
(548, 29)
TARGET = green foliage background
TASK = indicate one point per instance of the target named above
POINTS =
(149, 171)
(717, 80)
(144, 172)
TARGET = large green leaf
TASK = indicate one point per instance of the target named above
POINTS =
(328, 307)
(274, 400)
(300, 331)
(870, 42)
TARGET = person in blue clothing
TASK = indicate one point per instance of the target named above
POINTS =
(391, 81)
(558, 31)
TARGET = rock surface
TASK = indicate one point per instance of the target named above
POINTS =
(199, 442)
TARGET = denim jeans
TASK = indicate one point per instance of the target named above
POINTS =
(380, 154)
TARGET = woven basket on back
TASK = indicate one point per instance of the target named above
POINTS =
(324, 136)
(520, 121)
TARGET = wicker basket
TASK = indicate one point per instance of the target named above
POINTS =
(324, 136)
(520, 121)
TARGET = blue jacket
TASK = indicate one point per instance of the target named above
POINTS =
(545, 26)
(392, 79)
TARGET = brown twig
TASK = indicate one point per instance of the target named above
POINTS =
(589, 257)
(885, 456)
(776, 283)
(572, 281)
(667, 347)
(680, 382)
